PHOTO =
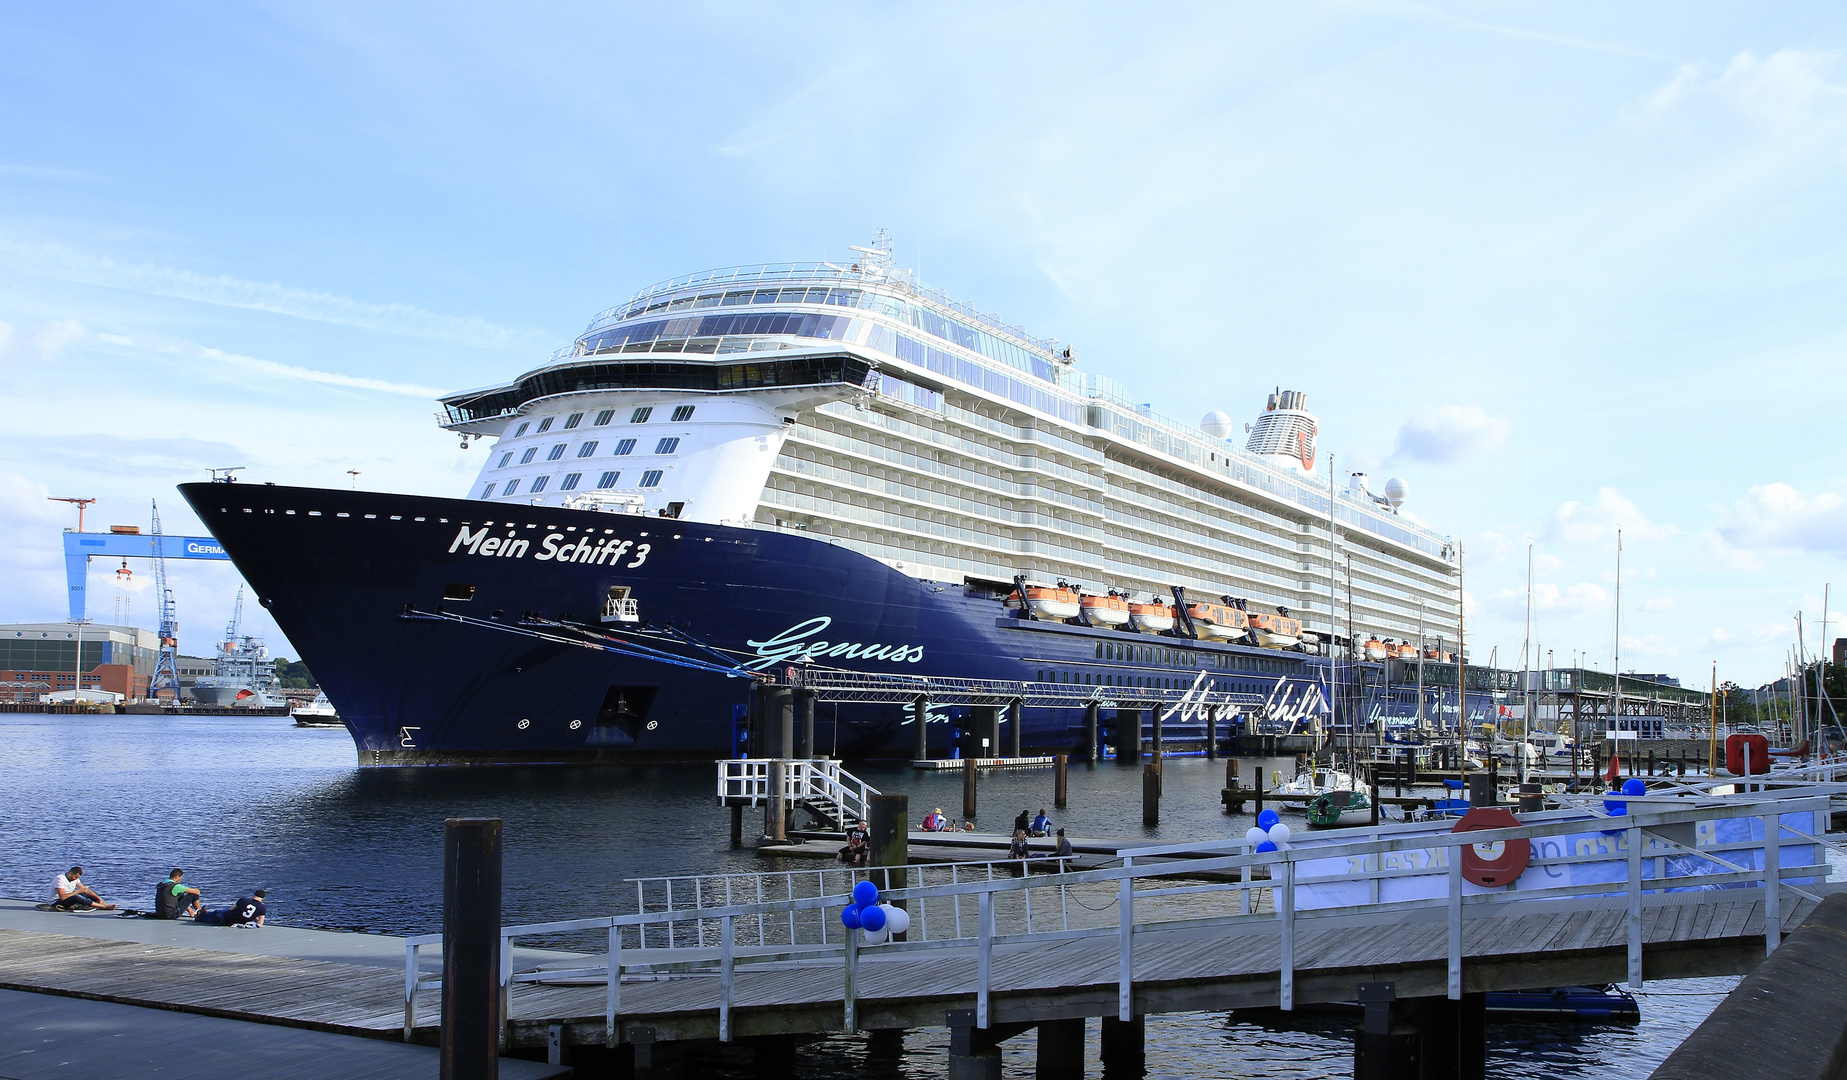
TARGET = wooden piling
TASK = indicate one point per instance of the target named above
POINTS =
(1016, 727)
(1259, 789)
(1091, 746)
(889, 825)
(968, 789)
(1151, 795)
(1375, 798)
(775, 808)
(1059, 764)
(804, 723)
(471, 1002)
(1212, 732)
(920, 716)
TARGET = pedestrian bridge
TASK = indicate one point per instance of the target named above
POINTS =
(1678, 883)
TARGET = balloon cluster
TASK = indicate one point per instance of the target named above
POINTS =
(1633, 786)
(875, 922)
(1269, 834)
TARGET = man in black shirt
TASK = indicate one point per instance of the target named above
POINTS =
(858, 850)
(248, 911)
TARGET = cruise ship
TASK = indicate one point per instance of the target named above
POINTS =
(822, 465)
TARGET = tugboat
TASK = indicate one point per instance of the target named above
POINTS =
(318, 713)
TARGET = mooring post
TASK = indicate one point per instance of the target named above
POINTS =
(1059, 763)
(1128, 736)
(1123, 1045)
(737, 824)
(990, 731)
(1155, 721)
(1151, 795)
(1375, 797)
(890, 825)
(1016, 727)
(782, 714)
(1061, 1050)
(1258, 776)
(804, 723)
(775, 808)
(920, 717)
(1091, 746)
(968, 789)
(471, 949)
(1212, 732)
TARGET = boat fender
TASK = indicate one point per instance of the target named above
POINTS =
(1509, 865)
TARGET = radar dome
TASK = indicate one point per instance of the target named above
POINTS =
(1217, 425)
(1396, 490)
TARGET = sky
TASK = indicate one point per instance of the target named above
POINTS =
(1564, 267)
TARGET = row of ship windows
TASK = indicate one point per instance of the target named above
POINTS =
(650, 478)
(624, 448)
(1145, 682)
(1156, 654)
(681, 414)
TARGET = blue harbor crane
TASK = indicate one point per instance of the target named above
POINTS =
(166, 669)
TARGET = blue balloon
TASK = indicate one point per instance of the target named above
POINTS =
(1616, 807)
(849, 916)
(1267, 845)
(1267, 819)
(872, 919)
(1635, 785)
(865, 894)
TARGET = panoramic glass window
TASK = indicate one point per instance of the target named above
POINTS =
(587, 449)
(512, 486)
(526, 458)
(557, 452)
(539, 484)
(640, 416)
(603, 417)
(545, 425)
(504, 459)
(682, 413)
(666, 446)
(608, 479)
(570, 481)
(487, 492)
(626, 446)
(651, 478)
(522, 429)
(572, 420)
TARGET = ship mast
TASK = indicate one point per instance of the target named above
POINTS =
(1333, 643)
(1616, 656)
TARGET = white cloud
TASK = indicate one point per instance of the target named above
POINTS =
(1787, 90)
(59, 261)
(1775, 518)
(1548, 598)
(1659, 603)
(54, 336)
(1590, 523)
(1654, 645)
(30, 561)
(1446, 433)
(274, 369)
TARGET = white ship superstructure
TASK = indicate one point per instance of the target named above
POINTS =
(844, 402)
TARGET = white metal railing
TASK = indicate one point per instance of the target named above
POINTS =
(804, 780)
(1665, 850)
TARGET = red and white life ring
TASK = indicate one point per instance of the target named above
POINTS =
(1504, 868)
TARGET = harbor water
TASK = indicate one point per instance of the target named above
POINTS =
(245, 803)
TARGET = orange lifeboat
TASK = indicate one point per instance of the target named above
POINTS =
(1277, 631)
(1111, 610)
(1220, 622)
(1375, 649)
(1048, 602)
(1405, 651)
(1154, 617)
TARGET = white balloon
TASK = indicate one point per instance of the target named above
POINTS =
(897, 920)
(1254, 836)
(873, 937)
(1279, 834)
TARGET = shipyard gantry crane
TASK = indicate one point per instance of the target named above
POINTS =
(167, 668)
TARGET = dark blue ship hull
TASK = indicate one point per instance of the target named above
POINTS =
(352, 578)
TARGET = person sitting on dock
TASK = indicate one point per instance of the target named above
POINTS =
(74, 895)
(249, 911)
(934, 821)
(857, 852)
(1063, 850)
(1023, 823)
(968, 826)
(1019, 849)
(173, 899)
(1041, 825)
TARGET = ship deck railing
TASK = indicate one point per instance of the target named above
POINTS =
(1628, 857)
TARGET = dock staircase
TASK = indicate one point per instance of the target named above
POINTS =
(831, 795)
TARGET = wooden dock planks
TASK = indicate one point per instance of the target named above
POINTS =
(806, 995)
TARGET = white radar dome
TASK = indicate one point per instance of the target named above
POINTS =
(1217, 425)
(1396, 491)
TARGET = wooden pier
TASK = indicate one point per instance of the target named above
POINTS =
(1683, 884)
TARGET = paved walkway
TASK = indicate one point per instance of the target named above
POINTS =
(47, 1037)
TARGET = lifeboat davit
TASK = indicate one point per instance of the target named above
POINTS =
(1277, 631)
(1152, 618)
(1375, 649)
(1048, 602)
(1219, 622)
(1111, 610)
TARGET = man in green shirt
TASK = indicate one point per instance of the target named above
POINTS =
(174, 899)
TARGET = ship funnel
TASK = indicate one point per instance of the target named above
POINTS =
(1356, 483)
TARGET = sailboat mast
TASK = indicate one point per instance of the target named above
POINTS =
(1462, 681)
(1333, 645)
(1526, 669)
(1616, 655)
